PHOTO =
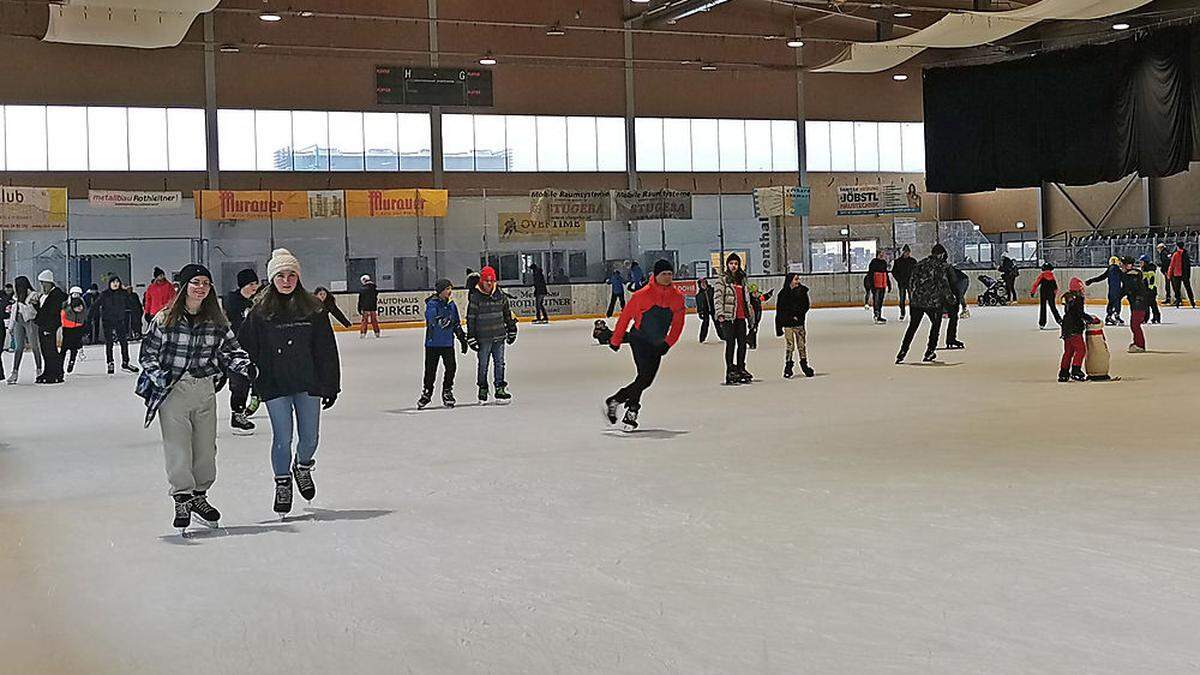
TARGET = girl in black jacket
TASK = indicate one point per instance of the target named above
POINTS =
(290, 341)
(330, 303)
(790, 309)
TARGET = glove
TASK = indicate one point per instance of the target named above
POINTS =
(615, 348)
(662, 351)
(219, 383)
(512, 335)
(462, 343)
(720, 318)
(473, 343)
(328, 401)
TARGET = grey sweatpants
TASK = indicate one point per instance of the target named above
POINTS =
(188, 419)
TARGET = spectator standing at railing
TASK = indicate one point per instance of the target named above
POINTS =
(1008, 274)
(1181, 274)
(1164, 266)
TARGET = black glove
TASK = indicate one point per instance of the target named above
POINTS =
(512, 335)
(662, 350)
(328, 401)
(473, 343)
(462, 343)
(615, 348)
(219, 382)
(147, 317)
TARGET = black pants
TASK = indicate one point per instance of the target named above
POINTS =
(3, 346)
(239, 391)
(52, 363)
(1048, 301)
(647, 359)
(1113, 310)
(914, 321)
(539, 303)
(1155, 315)
(117, 333)
(1186, 282)
(903, 290)
(735, 343)
(612, 302)
(877, 296)
(93, 332)
(704, 319)
(1010, 288)
(952, 325)
(446, 356)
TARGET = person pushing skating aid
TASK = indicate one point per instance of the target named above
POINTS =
(1074, 324)
(657, 313)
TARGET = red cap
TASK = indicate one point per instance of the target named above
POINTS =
(487, 274)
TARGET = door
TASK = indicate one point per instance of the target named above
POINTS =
(411, 273)
(98, 269)
(355, 268)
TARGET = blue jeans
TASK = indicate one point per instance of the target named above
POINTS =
(494, 351)
(308, 418)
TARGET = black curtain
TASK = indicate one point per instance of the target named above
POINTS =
(1078, 116)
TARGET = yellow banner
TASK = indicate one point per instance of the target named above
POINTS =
(522, 226)
(251, 204)
(32, 208)
(408, 203)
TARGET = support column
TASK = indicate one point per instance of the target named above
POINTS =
(1041, 214)
(210, 104)
(805, 257)
(435, 148)
(1146, 215)
(630, 136)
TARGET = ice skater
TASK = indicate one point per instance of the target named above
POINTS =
(1150, 274)
(290, 341)
(1181, 275)
(1133, 285)
(1009, 273)
(1074, 324)
(959, 283)
(731, 303)
(188, 346)
(490, 326)
(74, 320)
(330, 303)
(1045, 287)
(880, 284)
(932, 293)
(48, 321)
(902, 270)
(368, 306)
(617, 283)
(757, 299)
(1114, 275)
(112, 309)
(442, 326)
(24, 330)
(657, 313)
(1164, 268)
(237, 306)
(601, 333)
(704, 306)
(540, 291)
(791, 308)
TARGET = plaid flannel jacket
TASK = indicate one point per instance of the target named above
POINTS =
(202, 350)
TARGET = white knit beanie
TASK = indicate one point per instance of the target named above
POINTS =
(282, 260)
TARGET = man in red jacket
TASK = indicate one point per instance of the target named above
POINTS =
(1180, 275)
(657, 313)
(159, 294)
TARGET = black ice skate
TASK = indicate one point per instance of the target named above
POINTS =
(502, 395)
(789, 370)
(129, 367)
(183, 512)
(426, 397)
(900, 357)
(240, 425)
(930, 356)
(283, 495)
(806, 369)
(610, 410)
(630, 424)
(448, 398)
(744, 376)
(1064, 375)
(731, 377)
(71, 366)
(955, 345)
(204, 511)
(1078, 375)
(304, 482)
(111, 369)
(483, 395)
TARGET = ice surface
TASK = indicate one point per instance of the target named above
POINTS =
(974, 516)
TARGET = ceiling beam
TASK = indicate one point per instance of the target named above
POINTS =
(673, 10)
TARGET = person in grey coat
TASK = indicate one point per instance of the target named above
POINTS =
(490, 326)
(932, 293)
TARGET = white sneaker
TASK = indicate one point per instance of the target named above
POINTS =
(966, 314)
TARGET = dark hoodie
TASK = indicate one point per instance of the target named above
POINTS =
(792, 305)
(1075, 320)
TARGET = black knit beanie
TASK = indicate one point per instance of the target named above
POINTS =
(662, 265)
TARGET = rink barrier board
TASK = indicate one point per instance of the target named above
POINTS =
(406, 309)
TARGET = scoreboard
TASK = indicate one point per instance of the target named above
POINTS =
(407, 85)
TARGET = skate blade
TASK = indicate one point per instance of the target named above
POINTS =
(628, 429)
(243, 432)
(210, 524)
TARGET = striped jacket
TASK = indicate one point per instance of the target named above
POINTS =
(202, 350)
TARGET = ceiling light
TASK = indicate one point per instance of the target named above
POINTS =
(704, 7)
(876, 5)
(795, 42)
(899, 77)
(269, 17)
(902, 15)
(976, 228)
(1120, 26)
(639, 2)
(1020, 224)
(487, 60)
(708, 66)
(228, 49)
(260, 45)
(307, 13)
(845, 232)
(555, 31)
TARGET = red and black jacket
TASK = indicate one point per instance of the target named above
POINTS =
(657, 314)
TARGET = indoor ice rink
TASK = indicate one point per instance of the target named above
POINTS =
(241, 241)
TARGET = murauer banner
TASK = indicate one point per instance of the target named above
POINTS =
(250, 204)
(873, 200)
(553, 204)
(400, 203)
(523, 227)
(32, 208)
(652, 204)
(135, 200)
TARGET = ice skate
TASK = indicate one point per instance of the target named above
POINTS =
(483, 395)
(304, 482)
(789, 369)
(900, 357)
(880, 320)
(955, 344)
(129, 367)
(205, 512)
(1064, 375)
(283, 495)
(629, 423)
(610, 410)
(502, 395)
(731, 377)
(71, 366)
(744, 376)
(240, 425)
(806, 369)
(966, 314)
(426, 397)
(448, 398)
(930, 356)
(111, 369)
(1134, 349)
(183, 513)
(1078, 375)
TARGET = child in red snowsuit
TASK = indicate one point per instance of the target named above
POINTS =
(1074, 323)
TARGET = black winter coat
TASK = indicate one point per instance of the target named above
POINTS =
(902, 269)
(292, 356)
(49, 314)
(1133, 286)
(791, 307)
(704, 301)
(113, 306)
(237, 306)
(539, 283)
(331, 306)
(368, 299)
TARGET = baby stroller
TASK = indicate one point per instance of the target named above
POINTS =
(994, 293)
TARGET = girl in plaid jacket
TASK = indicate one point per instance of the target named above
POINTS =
(186, 357)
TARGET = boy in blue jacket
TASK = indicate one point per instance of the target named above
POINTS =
(442, 326)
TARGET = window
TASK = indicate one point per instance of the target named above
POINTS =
(841, 146)
(610, 144)
(1022, 251)
(533, 143)
(310, 140)
(521, 143)
(235, 139)
(187, 144)
(148, 139)
(731, 138)
(890, 153)
(866, 146)
(706, 153)
(67, 139)
(416, 144)
(758, 145)
(913, 141)
(491, 151)
(649, 135)
(861, 253)
(552, 143)
(108, 139)
(816, 137)
(828, 256)
(677, 145)
(379, 142)
(978, 253)
(785, 147)
(273, 140)
(458, 143)
(3, 156)
(581, 144)
(346, 141)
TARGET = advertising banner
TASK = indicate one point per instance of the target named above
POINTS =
(558, 300)
(652, 204)
(250, 204)
(780, 201)
(550, 204)
(326, 203)
(32, 208)
(873, 200)
(906, 230)
(398, 203)
(523, 227)
(135, 200)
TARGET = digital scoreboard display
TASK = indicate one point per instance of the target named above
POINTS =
(406, 85)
